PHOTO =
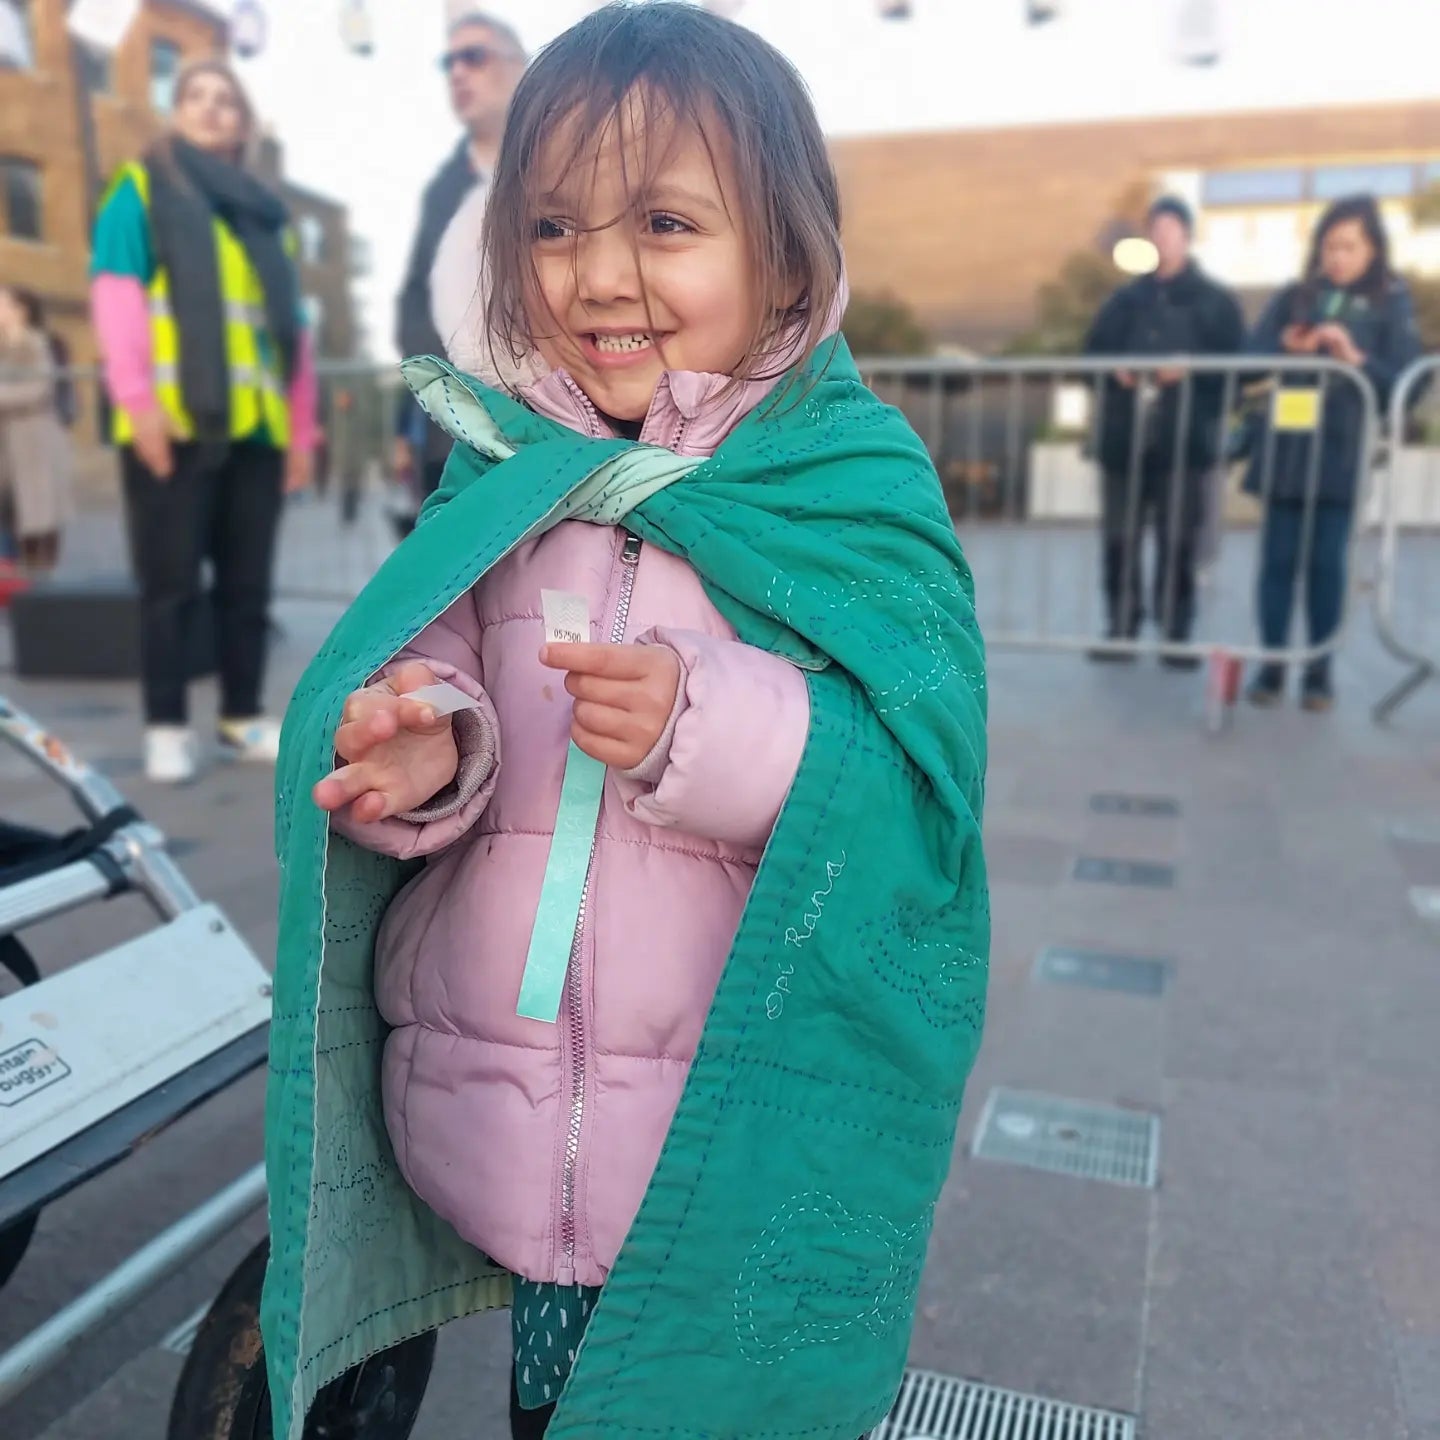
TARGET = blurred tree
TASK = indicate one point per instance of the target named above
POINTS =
(1425, 207)
(882, 324)
(1065, 306)
(1426, 291)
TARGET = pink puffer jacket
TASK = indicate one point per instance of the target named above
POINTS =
(537, 1141)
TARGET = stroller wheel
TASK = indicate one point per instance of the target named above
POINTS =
(223, 1394)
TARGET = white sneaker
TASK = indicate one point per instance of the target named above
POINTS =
(169, 754)
(257, 740)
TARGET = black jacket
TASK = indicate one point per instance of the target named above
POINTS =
(415, 332)
(1384, 329)
(1188, 315)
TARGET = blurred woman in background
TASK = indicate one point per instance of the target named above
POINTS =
(35, 461)
(1350, 306)
(197, 308)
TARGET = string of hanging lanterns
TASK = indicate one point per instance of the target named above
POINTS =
(1197, 31)
(1197, 22)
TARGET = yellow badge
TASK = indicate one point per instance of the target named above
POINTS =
(1296, 410)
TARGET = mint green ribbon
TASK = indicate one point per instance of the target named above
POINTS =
(562, 893)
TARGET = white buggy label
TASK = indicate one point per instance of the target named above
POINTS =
(28, 1068)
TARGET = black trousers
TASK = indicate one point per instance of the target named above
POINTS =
(222, 504)
(1175, 503)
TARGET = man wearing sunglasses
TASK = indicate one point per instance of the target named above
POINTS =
(439, 312)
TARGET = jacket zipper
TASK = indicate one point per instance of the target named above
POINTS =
(629, 563)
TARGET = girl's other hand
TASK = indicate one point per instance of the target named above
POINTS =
(624, 696)
(399, 753)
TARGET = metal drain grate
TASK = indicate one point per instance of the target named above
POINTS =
(1148, 806)
(1069, 1137)
(1098, 870)
(935, 1407)
(1100, 970)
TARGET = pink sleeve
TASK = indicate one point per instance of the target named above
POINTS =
(304, 395)
(741, 722)
(121, 314)
(450, 646)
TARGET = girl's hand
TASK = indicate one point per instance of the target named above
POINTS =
(624, 696)
(400, 752)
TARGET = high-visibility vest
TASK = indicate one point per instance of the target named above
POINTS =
(257, 385)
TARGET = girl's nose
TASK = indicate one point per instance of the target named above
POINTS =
(607, 270)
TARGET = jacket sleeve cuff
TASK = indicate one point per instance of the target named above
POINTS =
(475, 740)
(731, 752)
(652, 768)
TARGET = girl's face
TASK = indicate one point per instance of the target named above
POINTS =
(629, 286)
(1346, 253)
(209, 114)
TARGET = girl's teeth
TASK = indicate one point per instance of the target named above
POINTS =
(622, 344)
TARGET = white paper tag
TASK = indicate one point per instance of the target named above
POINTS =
(443, 698)
(567, 617)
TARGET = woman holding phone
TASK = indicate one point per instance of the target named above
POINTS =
(1350, 306)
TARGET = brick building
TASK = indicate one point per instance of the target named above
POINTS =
(966, 225)
(47, 185)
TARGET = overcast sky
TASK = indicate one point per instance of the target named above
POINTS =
(372, 130)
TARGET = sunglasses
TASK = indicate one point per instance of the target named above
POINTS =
(472, 57)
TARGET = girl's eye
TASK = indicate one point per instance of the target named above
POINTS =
(551, 229)
(662, 224)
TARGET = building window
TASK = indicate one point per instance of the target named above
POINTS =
(17, 35)
(1253, 187)
(311, 231)
(23, 214)
(1384, 182)
(97, 70)
(312, 310)
(164, 72)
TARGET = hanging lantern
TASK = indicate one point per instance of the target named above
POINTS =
(1039, 12)
(1197, 32)
(357, 27)
(896, 9)
(248, 29)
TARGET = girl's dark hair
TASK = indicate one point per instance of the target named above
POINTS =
(656, 70)
(1377, 278)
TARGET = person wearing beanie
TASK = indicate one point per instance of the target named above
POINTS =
(1150, 470)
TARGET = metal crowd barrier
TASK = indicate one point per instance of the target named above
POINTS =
(1015, 442)
(1407, 589)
